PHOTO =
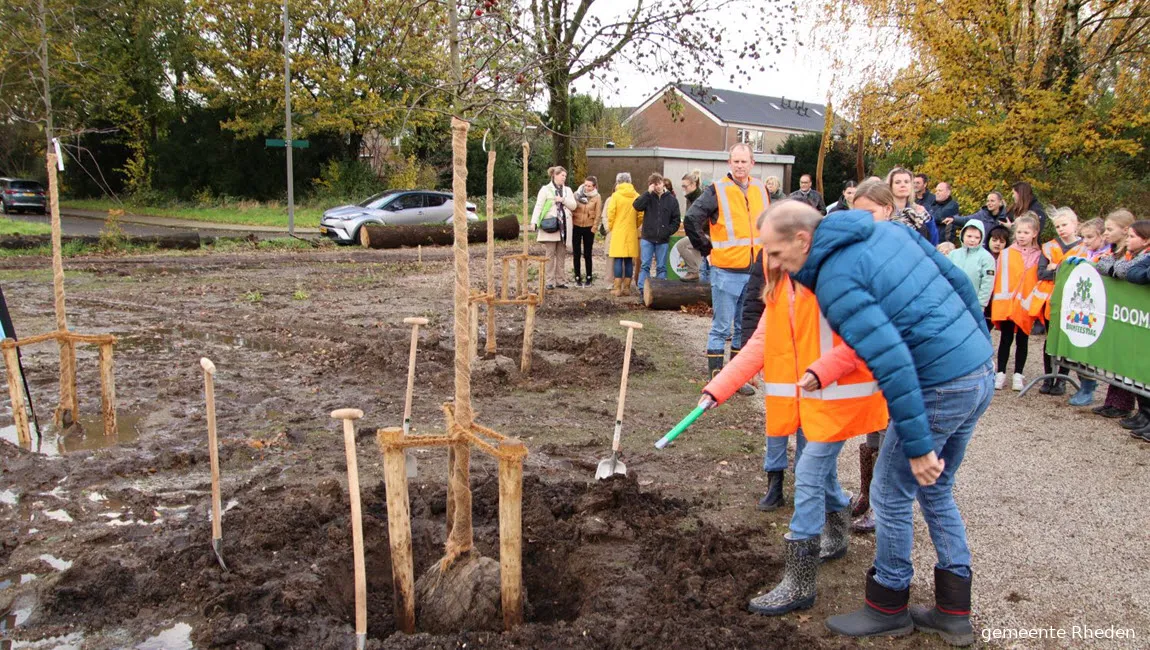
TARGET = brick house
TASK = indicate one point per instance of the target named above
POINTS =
(715, 119)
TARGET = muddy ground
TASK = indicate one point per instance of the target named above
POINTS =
(105, 541)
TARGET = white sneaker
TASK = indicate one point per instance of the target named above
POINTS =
(1017, 383)
(999, 380)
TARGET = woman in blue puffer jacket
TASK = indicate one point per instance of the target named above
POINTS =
(915, 320)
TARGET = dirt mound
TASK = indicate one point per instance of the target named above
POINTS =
(605, 565)
(559, 362)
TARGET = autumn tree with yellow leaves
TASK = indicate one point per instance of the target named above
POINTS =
(1053, 92)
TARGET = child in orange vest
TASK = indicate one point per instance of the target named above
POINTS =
(1119, 403)
(834, 399)
(1016, 274)
(1066, 244)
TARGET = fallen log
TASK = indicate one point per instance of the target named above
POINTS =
(673, 294)
(176, 241)
(398, 236)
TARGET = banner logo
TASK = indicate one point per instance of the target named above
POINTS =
(1083, 306)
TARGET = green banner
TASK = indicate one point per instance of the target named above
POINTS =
(1100, 322)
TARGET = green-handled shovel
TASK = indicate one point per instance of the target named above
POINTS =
(608, 467)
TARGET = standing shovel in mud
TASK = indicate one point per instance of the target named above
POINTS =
(408, 458)
(349, 416)
(214, 455)
(609, 467)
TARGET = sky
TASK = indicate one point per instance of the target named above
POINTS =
(798, 73)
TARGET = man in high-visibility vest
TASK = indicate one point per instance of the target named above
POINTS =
(915, 320)
(722, 224)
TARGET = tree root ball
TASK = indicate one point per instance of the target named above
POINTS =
(465, 597)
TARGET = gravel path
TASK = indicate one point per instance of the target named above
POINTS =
(1056, 505)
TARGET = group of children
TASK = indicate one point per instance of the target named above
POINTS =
(1015, 282)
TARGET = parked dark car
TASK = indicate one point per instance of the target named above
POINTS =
(393, 207)
(22, 195)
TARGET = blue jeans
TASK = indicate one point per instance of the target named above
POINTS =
(728, 291)
(817, 489)
(624, 267)
(775, 460)
(705, 270)
(953, 409)
(648, 249)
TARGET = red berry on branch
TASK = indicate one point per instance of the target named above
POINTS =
(478, 12)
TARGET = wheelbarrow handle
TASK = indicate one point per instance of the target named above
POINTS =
(680, 427)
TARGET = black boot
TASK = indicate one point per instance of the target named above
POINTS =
(883, 614)
(714, 363)
(774, 499)
(1058, 387)
(1047, 386)
(950, 616)
(1136, 421)
(836, 535)
(797, 589)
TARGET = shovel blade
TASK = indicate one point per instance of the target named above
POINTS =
(216, 548)
(605, 471)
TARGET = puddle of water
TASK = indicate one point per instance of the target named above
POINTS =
(96, 497)
(55, 562)
(90, 438)
(177, 637)
(9, 498)
(59, 515)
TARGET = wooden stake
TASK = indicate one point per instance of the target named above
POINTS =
(528, 333)
(450, 492)
(506, 276)
(415, 322)
(107, 389)
(490, 326)
(213, 451)
(349, 416)
(419, 253)
(511, 530)
(473, 318)
(69, 402)
(16, 393)
(399, 529)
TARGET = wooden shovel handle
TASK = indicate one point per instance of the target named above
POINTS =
(346, 414)
(207, 365)
(631, 327)
(415, 320)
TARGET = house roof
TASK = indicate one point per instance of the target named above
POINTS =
(734, 107)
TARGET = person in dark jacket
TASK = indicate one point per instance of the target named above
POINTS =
(993, 214)
(660, 211)
(922, 195)
(1024, 201)
(915, 320)
(774, 188)
(846, 201)
(809, 196)
(943, 210)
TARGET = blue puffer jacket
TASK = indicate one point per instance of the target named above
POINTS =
(909, 313)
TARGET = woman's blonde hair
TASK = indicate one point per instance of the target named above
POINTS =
(695, 176)
(876, 191)
(771, 277)
(898, 171)
(778, 183)
(557, 169)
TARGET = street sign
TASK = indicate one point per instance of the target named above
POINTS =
(278, 142)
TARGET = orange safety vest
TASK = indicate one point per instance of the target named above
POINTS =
(795, 335)
(734, 237)
(1013, 282)
(1038, 302)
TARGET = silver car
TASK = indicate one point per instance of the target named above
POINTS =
(393, 207)
(22, 195)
